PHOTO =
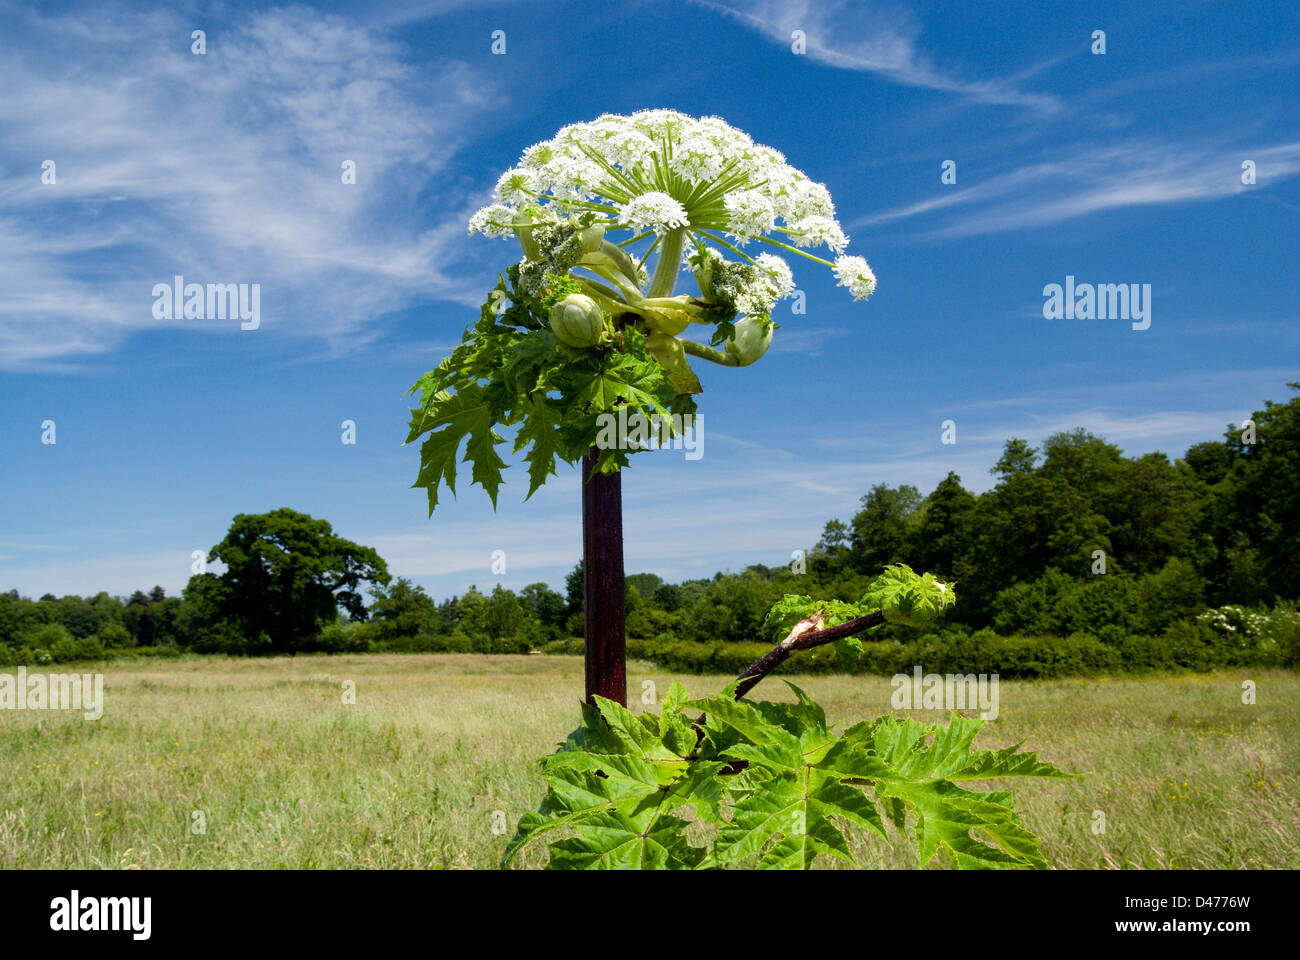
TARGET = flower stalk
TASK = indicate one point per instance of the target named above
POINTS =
(669, 265)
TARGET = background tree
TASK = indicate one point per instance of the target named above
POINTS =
(286, 576)
(1264, 492)
(939, 535)
(880, 531)
(548, 608)
(402, 610)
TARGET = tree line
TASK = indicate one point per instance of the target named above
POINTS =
(1073, 538)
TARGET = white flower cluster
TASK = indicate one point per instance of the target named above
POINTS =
(753, 289)
(1231, 618)
(493, 220)
(660, 169)
(654, 211)
(854, 273)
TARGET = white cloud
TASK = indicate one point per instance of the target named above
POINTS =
(225, 168)
(875, 39)
(1095, 179)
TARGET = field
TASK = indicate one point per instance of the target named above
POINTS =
(436, 760)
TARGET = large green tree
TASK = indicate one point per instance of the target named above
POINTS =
(286, 575)
(880, 531)
(1264, 493)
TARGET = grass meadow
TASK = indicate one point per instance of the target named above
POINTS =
(436, 760)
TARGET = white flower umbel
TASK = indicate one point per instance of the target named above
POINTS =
(721, 182)
(750, 214)
(495, 220)
(779, 273)
(653, 211)
(674, 183)
(854, 273)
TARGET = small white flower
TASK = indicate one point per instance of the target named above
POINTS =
(516, 186)
(779, 273)
(660, 123)
(653, 211)
(854, 273)
(696, 159)
(749, 214)
(538, 155)
(816, 230)
(628, 148)
(493, 221)
(804, 198)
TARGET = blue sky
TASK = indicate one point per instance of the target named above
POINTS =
(1117, 168)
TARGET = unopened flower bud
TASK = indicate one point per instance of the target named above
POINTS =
(750, 341)
(591, 238)
(576, 321)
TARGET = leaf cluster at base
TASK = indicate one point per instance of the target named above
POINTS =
(777, 786)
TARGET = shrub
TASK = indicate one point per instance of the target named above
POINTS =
(46, 636)
(1185, 645)
(573, 645)
(114, 636)
(346, 637)
(164, 652)
(1284, 627)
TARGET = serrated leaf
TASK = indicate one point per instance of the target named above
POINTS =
(946, 815)
(617, 841)
(795, 814)
(540, 428)
(779, 787)
(452, 418)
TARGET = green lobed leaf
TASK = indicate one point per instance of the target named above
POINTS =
(779, 788)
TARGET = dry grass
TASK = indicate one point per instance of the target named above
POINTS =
(438, 756)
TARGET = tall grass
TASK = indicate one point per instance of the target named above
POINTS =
(437, 759)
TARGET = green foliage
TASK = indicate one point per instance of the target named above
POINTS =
(908, 597)
(1182, 646)
(510, 371)
(401, 610)
(882, 530)
(775, 784)
(47, 636)
(286, 576)
(1216, 528)
(114, 636)
(1284, 628)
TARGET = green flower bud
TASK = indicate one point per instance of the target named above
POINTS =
(591, 238)
(750, 341)
(576, 321)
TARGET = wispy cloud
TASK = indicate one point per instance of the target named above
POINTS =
(225, 167)
(875, 39)
(1095, 179)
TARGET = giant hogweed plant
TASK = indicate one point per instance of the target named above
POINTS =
(584, 324)
(587, 323)
(772, 783)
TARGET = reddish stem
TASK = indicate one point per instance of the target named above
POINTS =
(602, 565)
